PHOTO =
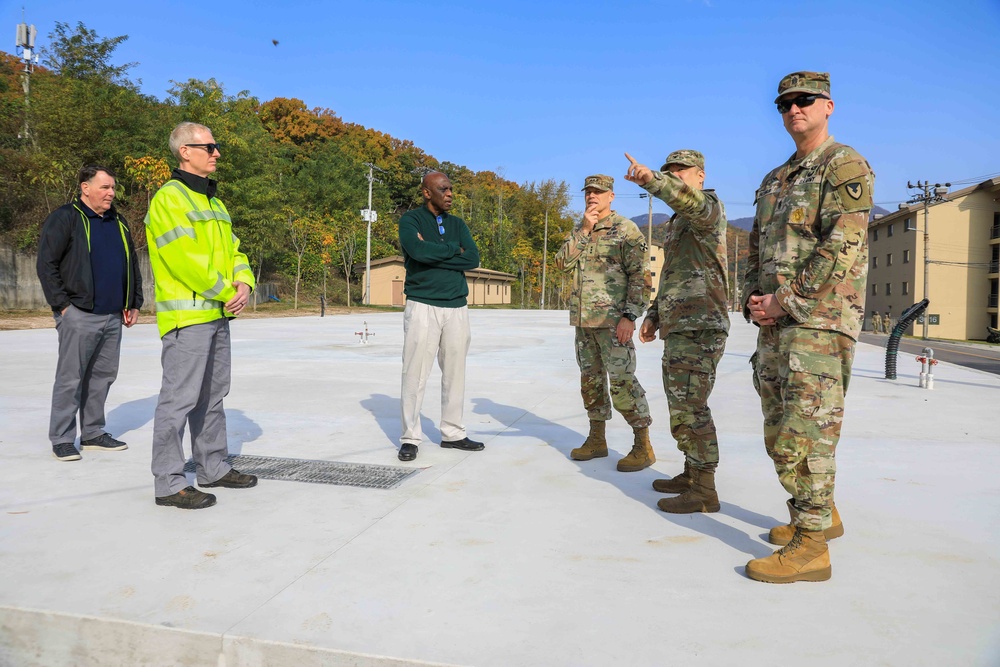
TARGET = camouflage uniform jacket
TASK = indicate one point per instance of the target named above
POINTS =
(809, 242)
(610, 272)
(694, 283)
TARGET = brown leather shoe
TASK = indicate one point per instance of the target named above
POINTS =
(233, 479)
(188, 498)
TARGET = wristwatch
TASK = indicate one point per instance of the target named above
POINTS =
(629, 316)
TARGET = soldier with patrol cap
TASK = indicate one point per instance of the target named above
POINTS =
(691, 314)
(611, 285)
(805, 287)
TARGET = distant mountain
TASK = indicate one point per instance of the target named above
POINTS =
(642, 220)
(745, 224)
(659, 219)
(878, 210)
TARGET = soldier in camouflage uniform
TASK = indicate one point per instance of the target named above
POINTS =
(805, 282)
(876, 322)
(611, 285)
(691, 314)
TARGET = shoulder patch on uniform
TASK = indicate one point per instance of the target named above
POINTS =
(848, 171)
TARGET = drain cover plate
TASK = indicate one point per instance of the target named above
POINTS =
(365, 475)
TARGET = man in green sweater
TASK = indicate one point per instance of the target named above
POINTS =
(437, 251)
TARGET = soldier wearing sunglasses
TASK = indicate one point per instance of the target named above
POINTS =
(805, 282)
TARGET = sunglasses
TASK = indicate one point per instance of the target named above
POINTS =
(211, 148)
(440, 226)
(802, 101)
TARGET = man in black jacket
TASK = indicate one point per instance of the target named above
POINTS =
(90, 276)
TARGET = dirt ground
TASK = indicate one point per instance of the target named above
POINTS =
(42, 319)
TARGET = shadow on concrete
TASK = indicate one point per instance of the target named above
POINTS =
(386, 411)
(636, 485)
(240, 430)
(131, 416)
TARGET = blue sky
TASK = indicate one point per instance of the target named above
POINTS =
(559, 90)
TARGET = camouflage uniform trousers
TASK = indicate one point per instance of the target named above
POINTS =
(600, 357)
(689, 362)
(802, 377)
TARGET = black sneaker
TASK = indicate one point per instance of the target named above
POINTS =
(103, 442)
(188, 498)
(65, 451)
(233, 479)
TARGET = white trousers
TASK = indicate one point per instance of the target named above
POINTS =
(428, 332)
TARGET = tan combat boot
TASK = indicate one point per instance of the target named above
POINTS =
(701, 497)
(781, 535)
(805, 558)
(641, 455)
(595, 446)
(677, 484)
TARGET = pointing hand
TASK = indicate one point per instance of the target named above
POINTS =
(639, 174)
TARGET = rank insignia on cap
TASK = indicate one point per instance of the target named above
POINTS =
(854, 190)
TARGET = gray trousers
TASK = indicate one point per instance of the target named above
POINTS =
(89, 347)
(196, 364)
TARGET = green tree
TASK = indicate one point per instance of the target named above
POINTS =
(81, 54)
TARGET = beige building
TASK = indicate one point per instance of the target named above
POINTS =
(963, 274)
(486, 287)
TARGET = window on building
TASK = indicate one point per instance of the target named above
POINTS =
(888, 289)
(487, 289)
(906, 287)
(888, 259)
(875, 234)
(652, 274)
(874, 289)
(906, 257)
(889, 230)
(908, 225)
(874, 262)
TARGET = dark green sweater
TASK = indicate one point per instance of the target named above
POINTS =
(436, 265)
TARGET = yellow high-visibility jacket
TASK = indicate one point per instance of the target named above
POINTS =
(194, 255)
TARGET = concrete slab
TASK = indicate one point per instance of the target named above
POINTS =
(512, 556)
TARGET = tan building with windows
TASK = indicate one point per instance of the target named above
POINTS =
(486, 287)
(655, 257)
(964, 268)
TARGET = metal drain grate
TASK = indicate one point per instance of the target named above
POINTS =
(366, 475)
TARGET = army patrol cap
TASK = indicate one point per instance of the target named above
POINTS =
(600, 182)
(685, 157)
(810, 83)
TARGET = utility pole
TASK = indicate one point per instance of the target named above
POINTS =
(929, 194)
(369, 216)
(545, 254)
(736, 270)
(649, 231)
(25, 43)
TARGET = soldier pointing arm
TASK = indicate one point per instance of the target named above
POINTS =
(691, 316)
